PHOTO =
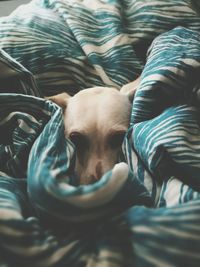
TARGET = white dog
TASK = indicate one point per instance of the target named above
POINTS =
(96, 120)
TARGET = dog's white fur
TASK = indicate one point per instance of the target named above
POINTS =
(96, 120)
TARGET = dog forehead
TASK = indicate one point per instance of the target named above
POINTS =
(97, 98)
(99, 109)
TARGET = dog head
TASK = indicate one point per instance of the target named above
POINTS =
(96, 120)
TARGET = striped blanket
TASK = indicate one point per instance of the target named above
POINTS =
(146, 210)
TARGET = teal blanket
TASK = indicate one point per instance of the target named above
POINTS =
(146, 210)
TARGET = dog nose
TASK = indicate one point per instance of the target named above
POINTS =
(97, 173)
(98, 170)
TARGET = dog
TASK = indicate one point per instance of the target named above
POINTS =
(96, 120)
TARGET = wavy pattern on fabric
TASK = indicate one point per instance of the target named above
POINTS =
(168, 239)
(146, 210)
(175, 132)
(78, 50)
(170, 74)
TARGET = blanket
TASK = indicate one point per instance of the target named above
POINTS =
(146, 210)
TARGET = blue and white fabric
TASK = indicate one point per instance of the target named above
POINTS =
(146, 210)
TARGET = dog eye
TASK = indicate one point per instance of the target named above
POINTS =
(116, 139)
(78, 139)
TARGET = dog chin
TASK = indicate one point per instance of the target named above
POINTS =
(86, 180)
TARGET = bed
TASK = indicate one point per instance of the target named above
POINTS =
(146, 210)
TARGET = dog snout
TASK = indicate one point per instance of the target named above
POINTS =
(98, 170)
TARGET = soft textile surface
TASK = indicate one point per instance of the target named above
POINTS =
(146, 210)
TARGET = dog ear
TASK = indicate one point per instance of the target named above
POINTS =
(60, 99)
(130, 88)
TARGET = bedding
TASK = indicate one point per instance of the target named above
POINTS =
(146, 210)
